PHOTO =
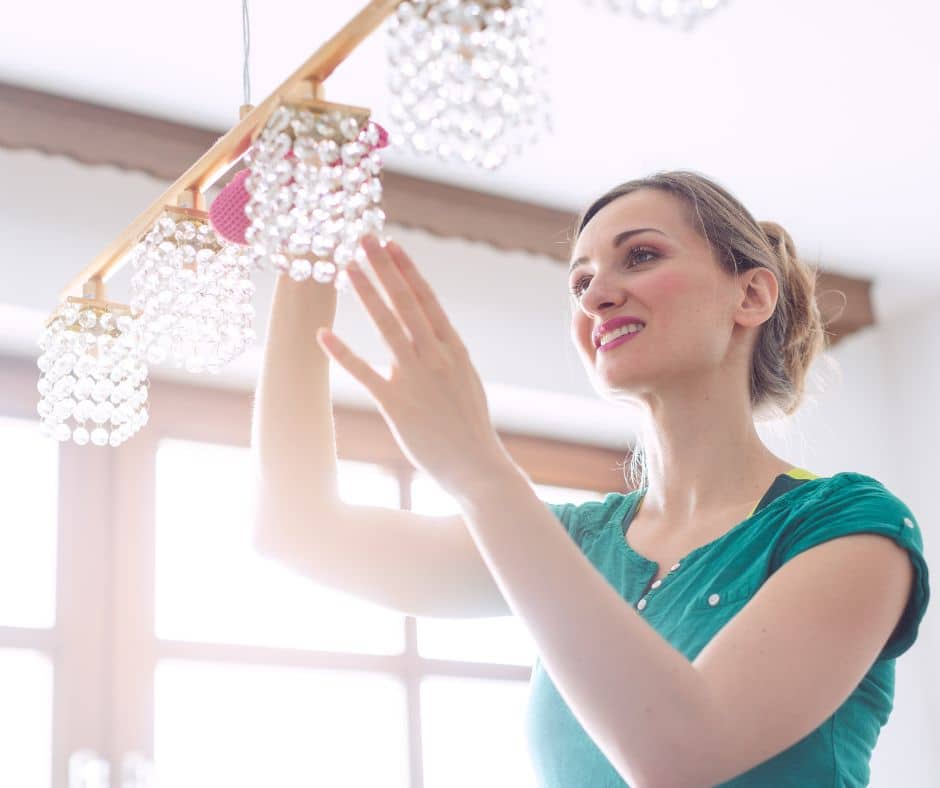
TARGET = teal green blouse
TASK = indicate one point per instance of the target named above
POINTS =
(705, 589)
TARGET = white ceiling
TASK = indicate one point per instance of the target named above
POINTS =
(819, 115)
(822, 116)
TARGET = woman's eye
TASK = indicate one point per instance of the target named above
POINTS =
(635, 257)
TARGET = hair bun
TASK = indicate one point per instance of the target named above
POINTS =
(780, 241)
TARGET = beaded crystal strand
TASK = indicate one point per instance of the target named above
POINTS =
(468, 78)
(315, 190)
(93, 383)
(191, 292)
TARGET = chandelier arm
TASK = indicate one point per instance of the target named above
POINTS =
(94, 289)
(305, 83)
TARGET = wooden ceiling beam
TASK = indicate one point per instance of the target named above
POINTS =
(97, 135)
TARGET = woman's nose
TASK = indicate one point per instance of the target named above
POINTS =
(602, 291)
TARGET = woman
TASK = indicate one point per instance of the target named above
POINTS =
(734, 620)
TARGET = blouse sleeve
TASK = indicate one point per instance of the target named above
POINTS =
(564, 512)
(585, 518)
(856, 503)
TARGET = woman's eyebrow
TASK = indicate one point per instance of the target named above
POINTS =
(619, 238)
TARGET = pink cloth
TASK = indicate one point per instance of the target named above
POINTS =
(227, 212)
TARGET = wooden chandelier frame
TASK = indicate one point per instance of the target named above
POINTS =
(188, 191)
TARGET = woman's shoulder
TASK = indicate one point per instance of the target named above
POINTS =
(849, 503)
(843, 504)
(589, 517)
(851, 487)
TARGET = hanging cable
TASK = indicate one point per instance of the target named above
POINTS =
(246, 47)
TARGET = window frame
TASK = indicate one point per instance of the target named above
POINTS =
(103, 645)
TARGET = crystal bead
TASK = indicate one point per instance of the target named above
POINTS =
(102, 412)
(300, 269)
(63, 409)
(324, 271)
(280, 148)
(305, 148)
(343, 255)
(349, 127)
(185, 231)
(83, 410)
(280, 119)
(325, 129)
(87, 319)
(165, 227)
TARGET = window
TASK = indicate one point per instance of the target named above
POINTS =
(473, 733)
(25, 718)
(244, 726)
(135, 618)
(29, 470)
(212, 586)
(28, 540)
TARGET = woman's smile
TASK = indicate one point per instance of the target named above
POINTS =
(618, 341)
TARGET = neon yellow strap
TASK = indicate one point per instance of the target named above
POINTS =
(796, 473)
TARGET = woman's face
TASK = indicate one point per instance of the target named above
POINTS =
(640, 257)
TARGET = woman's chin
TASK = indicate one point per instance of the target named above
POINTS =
(613, 390)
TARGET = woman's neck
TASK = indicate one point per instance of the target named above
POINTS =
(723, 492)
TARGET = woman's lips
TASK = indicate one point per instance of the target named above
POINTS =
(619, 341)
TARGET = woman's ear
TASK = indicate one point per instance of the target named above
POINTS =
(759, 291)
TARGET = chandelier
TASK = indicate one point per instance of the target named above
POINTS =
(311, 191)
(468, 78)
(191, 294)
(93, 384)
(682, 13)
(314, 189)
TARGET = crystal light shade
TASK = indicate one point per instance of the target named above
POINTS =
(315, 190)
(682, 13)
(468, 78)
(191, 293)
(93, 383)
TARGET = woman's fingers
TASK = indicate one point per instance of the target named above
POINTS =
(404, 301)
(427, 300)
(386, 321)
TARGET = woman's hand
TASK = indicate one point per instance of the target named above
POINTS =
(433, 402)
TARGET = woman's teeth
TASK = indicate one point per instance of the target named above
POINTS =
(633, 328)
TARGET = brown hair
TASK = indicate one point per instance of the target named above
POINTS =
(794, 335)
